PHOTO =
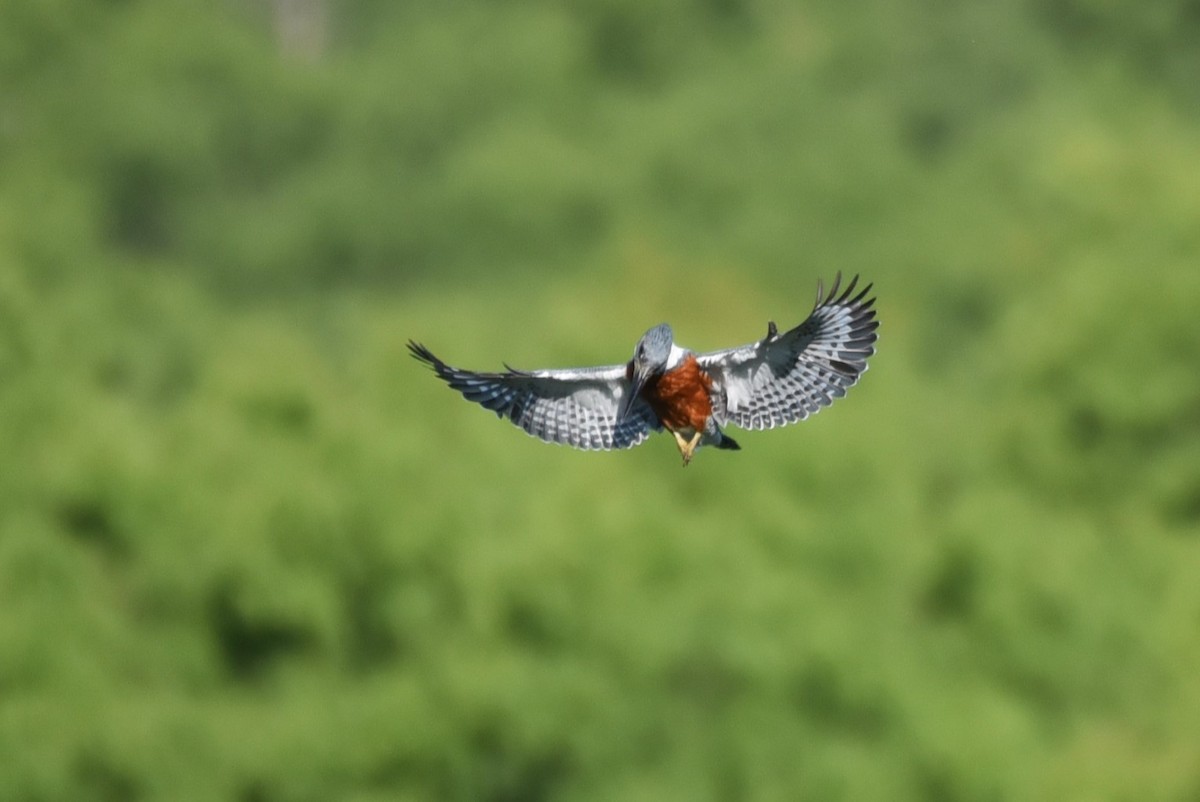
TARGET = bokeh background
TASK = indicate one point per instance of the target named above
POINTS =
(250, 551)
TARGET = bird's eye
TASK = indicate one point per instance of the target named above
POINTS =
(641, 352)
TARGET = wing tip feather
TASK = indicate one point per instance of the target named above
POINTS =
(419, 352)
(846, 296)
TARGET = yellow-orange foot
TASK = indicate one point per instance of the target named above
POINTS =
(687, 448)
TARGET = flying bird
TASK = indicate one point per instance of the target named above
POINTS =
(780, 379)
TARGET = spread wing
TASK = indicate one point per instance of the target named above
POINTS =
(576, 407)
(784, 378)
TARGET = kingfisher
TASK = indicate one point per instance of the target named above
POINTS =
(778, 380)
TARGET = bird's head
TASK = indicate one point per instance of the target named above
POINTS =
(649, 359)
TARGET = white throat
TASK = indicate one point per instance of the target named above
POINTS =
(676, 356)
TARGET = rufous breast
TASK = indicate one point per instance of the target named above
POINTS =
(680, 397)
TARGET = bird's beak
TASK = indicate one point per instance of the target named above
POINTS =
(640, 375)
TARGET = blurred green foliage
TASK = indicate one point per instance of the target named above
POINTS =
(250, 551)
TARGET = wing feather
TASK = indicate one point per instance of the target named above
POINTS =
(575, 406)
(784, 378)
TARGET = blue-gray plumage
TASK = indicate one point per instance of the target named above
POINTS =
(780, 379)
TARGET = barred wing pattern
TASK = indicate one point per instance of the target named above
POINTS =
(575, 407)
(784, 378)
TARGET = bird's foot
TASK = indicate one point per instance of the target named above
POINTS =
(687, 448)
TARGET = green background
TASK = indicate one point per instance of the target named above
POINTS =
(250, 551)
